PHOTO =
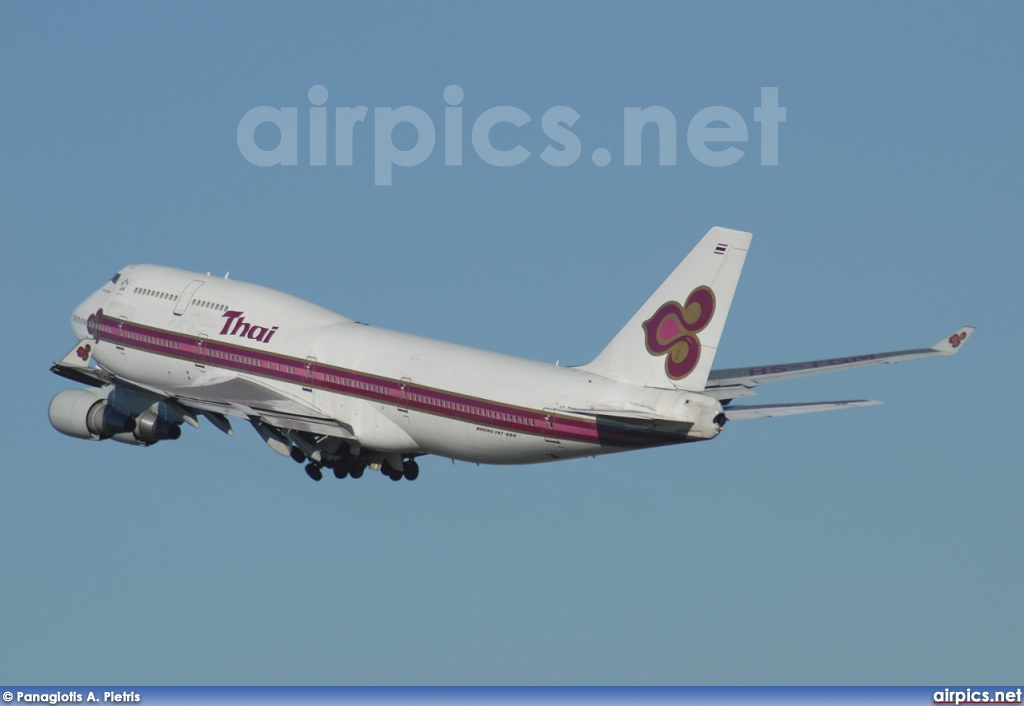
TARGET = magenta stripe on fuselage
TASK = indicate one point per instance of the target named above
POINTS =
(204, 351)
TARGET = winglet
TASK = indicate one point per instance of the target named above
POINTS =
(949, 346)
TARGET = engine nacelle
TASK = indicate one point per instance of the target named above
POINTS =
(86, 414)
(89, 414)
(129, 438)
(150, 428)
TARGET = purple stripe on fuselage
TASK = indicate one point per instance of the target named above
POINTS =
(472, 410)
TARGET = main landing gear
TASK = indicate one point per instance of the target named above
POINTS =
(410, 470)
(346, 465)
(314, 472)
(349, 466)
(341, 469)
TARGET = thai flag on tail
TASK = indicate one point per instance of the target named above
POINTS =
(720, 250)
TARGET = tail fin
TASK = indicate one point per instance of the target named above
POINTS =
(671, 342)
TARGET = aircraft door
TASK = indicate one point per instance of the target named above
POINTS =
(548, 422)
(403, 396)
(310, 371)
(201, 350)
(120, 339)
(185, 298)
(202, 353)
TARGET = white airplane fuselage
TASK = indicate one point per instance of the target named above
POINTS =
(158, 348)
(191, 337)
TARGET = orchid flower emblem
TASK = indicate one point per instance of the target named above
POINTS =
(673, 331)
(83, 352)
(956, 338)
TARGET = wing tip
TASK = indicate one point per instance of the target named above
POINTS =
(952, 344)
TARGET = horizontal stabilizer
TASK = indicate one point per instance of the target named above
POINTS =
(758, 411)
(76, 366)
(736, 382)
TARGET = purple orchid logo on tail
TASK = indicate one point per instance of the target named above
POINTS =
(673, 330)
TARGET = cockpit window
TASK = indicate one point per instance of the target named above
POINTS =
(115, 278)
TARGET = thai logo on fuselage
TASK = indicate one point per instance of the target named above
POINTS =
(236, 325)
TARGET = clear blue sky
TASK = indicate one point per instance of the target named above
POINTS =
(870, 546)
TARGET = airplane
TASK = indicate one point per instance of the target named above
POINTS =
(159, 348)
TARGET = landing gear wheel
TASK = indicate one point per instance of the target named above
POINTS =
(391, 472)
(357, 472)
(314, 472)
(297, 455)
(340, 472)
(411, 470)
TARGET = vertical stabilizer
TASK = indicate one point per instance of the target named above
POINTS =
(671, 342)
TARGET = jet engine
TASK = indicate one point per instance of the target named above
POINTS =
(86, 414)
(149, 429)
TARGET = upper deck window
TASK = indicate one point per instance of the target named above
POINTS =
(116, 277)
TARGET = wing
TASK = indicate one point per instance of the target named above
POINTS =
(738, 382)
(244, 397)
(228, 395)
